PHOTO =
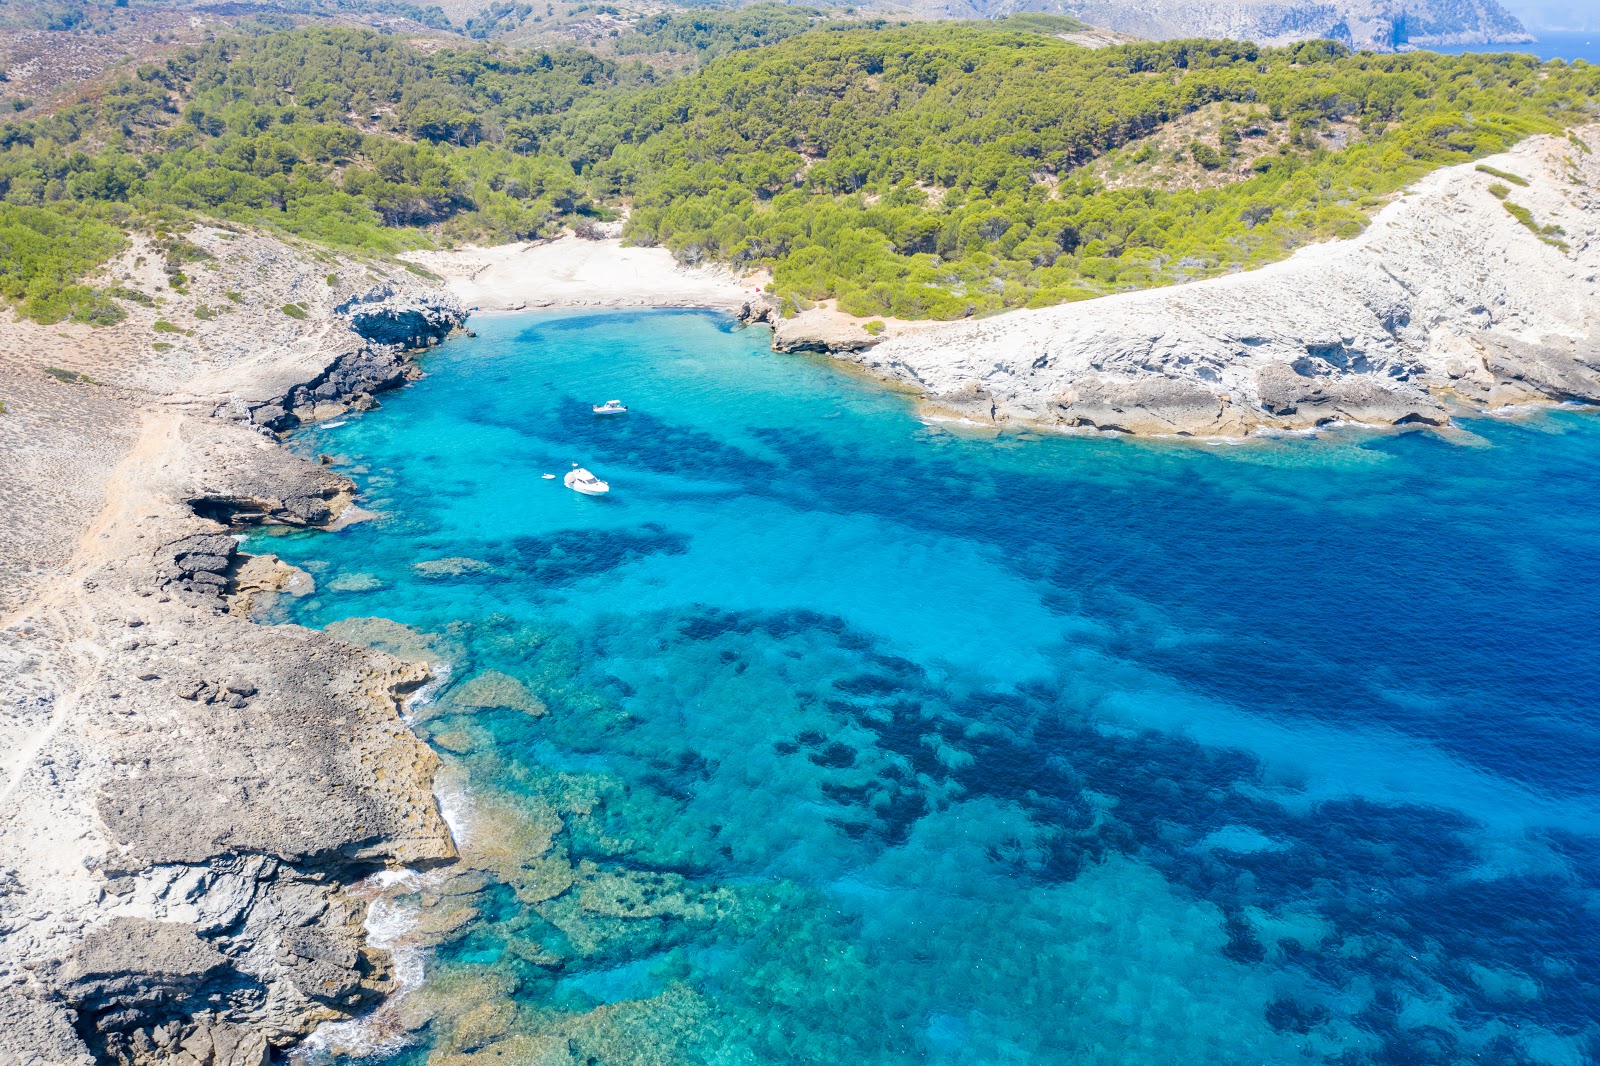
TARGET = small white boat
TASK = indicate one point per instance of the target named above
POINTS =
(610, 407)
(548, 477)
(332, 425)
(580, 480)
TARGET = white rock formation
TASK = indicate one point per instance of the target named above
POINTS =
(1445, 303)
(185, 795)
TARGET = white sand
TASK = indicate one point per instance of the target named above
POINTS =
(569, 272)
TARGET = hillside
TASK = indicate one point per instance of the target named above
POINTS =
(1474, 291)
(914, 171)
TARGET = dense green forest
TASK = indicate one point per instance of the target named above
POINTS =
(922, 170)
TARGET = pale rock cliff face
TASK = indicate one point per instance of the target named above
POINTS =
(1446, 303)
(1380, 25)
(185, 795)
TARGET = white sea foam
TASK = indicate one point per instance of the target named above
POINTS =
(425, 695)
(390, 925)
(456, 807)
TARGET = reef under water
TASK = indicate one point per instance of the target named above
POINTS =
(831, 736)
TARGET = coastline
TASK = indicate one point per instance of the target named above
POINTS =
(185, 794)
(572, 273)
(131, 681)
(1448, 303)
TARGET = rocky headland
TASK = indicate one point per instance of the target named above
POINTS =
(1472, 292)
(186, 797)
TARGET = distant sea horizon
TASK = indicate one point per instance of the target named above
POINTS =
(1551, 44)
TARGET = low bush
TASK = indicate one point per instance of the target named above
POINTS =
(1493, 172)
(74, 303)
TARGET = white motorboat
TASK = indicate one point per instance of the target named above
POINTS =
(610, 407)
(580, 480)
(548, 477)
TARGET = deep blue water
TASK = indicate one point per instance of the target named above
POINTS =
(1551, 44)
(869, 742)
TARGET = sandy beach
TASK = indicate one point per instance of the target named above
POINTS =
(571, 272)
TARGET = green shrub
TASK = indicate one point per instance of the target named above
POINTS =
(161, 325)
(122, 292)
(1550, 235)
(176, 254)
(1484, 168)
(43, 255)
(69, 377)
(293, 311)
(75, 303)
(1207, 156)
(1498, 191)
(874, 327)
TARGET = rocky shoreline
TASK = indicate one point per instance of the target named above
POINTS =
(185, 795)
(1447, 304)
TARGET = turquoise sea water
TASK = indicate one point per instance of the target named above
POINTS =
(868, 742)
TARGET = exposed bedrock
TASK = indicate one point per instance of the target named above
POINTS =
(1446, 304)
(818, 330)
(386, 318)
(221, 781)
(250, 484)
(1381, 25)
(186, 797)
(383, 326)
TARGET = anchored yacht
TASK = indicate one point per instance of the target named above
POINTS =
(580, 480)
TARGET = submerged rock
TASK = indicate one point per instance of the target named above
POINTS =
(455, 566)
(402, 641)
(491, 688)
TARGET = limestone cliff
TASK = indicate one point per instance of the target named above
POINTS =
(1381, 25)
(1448, 302)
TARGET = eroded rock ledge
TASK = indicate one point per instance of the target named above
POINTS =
(1447, 304)
(186, 795)
(385, 327)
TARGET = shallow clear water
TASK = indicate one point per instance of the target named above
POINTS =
(867, 742)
